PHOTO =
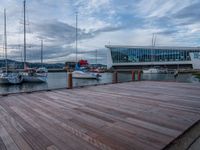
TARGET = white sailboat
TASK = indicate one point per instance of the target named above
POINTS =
(81, 72)
(32, 74)
(35, 75)
(11, 78)
(8, 77)
(85, 75)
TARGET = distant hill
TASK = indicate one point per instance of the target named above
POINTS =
(17, 64)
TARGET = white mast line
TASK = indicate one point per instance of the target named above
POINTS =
(42, 52)
(5, 41)
(76, 36)
(24, 34)
(155, 38)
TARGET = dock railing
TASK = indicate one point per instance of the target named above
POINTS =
(135, 76)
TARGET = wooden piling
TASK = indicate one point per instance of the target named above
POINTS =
(70, 81)
(115, 77)
(133, 75)
(139, 75)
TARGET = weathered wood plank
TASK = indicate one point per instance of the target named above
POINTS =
(7, 140)
(32, 136)
(14, 129)
(2, 145)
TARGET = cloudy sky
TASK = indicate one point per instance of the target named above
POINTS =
(100, 22)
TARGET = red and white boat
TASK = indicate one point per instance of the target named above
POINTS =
(82, 71)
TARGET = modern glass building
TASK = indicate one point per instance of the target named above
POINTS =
(144, 56)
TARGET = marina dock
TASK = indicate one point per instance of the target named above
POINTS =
(142, 115)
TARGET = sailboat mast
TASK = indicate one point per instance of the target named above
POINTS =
(24, 34)
(41, 52)
(152, 47)
(5, 41)
(96, 56)
(155, 40)
(76, 36)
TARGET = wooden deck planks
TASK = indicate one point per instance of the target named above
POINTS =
(135, 115)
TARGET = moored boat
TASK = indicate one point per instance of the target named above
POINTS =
(85, 75)
(11, 78)
(35, 75)
(156, 70)
(32, 74)
(82, 71)
(151, 70)
(7, 77)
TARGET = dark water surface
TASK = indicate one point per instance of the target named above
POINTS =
(59, 80)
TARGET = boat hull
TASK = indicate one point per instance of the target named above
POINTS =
(84, 75)
(151, 71)
(15, 80)
(35, 76)
(11, 79)
(35, 79)
(4, 80)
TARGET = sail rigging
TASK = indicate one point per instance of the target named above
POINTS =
(5, 41)
(76, 37)
(42, 52)
(24, 34)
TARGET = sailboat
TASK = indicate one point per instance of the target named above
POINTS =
(36, 75)
(81, 71)
(32, 74)
(8, 77)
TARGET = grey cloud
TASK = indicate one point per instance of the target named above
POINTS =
(63, 33)
(107, 29)
(168, 31)
(191, 12)
(91, 55)
(58, 37)
(33, 52)
(1, 37)
(58, 32)
(54, 52)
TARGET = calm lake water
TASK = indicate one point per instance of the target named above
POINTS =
(59, 80)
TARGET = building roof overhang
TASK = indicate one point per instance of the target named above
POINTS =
(154, 47)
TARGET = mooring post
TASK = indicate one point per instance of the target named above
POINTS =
(115, 77)
(133, 75)
(70, 81)
(139, 75)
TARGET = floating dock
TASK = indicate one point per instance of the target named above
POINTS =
(131, 116)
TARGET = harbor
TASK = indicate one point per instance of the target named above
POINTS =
(59, 80)
(99, 75)
(133, 115)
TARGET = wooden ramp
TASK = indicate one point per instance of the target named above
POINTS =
(135, 115)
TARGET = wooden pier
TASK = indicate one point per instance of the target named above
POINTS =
(133, 116)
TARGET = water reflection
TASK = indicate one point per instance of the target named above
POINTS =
(189, 78)
(105, 78)
(23, 87)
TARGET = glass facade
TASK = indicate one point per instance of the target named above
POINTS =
(136, 55)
